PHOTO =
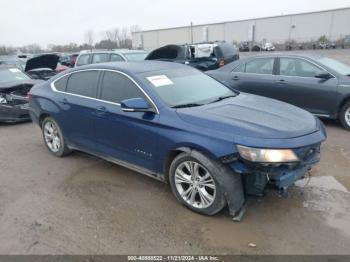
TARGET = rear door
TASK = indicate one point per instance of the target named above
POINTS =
(257, 76)
(100, 58)
(296, 84)
(77, 105)
(116, 58)
(127, 136)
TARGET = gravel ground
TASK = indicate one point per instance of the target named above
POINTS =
(84, 205)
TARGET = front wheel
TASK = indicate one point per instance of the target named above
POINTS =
(344, 116)
(195, 184)
(53, 138)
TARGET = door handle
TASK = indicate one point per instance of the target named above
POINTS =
(235, 78)
(100, 110)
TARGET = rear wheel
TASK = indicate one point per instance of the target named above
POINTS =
(195, 185)
(53, 138)
(344, 116)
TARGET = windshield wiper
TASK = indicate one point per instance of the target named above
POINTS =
(187, 105)
(222, 98)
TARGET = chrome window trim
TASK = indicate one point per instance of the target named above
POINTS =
(307, 60)
(96, 99)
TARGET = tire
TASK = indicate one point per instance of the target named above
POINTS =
(344, 116)
(204, 166)
(54, 139)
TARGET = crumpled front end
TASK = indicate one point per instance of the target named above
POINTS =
(14, 106)
(257, 176)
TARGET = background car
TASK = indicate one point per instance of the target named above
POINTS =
(316, 83)
(174, 123)
(244, 47)
(44, 66)
(268, 47)
(14, 88)
(103, 56)
(203, 56)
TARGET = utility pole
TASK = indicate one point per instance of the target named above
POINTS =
(191, 32)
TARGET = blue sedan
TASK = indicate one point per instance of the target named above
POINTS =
(214, 146)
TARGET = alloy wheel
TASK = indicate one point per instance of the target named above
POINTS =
(347, 116)
(195, 184)
(52, 137)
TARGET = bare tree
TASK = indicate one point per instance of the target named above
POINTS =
(113, 35)
(90, 38)
(135, 29)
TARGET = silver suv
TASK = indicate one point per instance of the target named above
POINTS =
(103, 56)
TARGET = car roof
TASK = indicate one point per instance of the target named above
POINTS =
(136, 67)
(114, 51)
(289, 54)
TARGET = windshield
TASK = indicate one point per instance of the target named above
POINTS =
(335, 65)
(12, 74)
(135, 56)
(186, 86)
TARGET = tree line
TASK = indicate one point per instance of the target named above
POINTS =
(118, 37)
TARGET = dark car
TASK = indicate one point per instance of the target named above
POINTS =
(14, 88)
(43, 66)
(203, 56)
(315, 83)
(244, 47)
(176, 124)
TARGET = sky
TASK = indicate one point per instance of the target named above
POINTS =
(46, 22)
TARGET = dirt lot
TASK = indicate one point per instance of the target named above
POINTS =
(83, 205)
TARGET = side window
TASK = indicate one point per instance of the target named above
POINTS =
(61, 84)
(100, 58)
(83, 83)
(117, 87)
(83, 60)
(260, 66)
(298, 67)
(116, 58)
(239, 69)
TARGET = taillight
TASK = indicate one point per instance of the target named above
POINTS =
(29, 97)
(221, 62)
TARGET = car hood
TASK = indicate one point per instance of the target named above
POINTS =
(43, 61)
(17, 84)
(252, 116)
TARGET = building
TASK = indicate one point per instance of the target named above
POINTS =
(304, 27)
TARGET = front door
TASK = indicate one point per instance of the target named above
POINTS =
(126, 136)
(296, 84)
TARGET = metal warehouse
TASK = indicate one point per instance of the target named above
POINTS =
(304, 27)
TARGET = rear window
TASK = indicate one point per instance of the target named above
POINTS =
(61, 84)
(227, 50)
(83, 83)
(83, 60)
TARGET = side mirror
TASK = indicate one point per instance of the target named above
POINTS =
(136, 105)
(324, 75)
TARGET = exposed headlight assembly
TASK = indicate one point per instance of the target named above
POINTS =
(267, 155)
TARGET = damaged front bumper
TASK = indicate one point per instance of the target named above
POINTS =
(14, 113)
(257, 176)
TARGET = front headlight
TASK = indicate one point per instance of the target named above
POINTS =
(267, 155)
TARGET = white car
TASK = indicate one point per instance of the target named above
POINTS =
(268, 47)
